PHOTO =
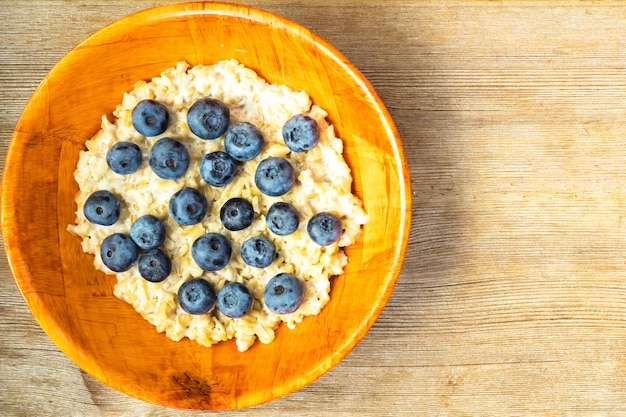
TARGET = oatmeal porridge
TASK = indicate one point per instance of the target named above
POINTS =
(219, 235)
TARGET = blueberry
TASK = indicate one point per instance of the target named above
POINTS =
(243, 141)
(147, 232)
(236, 214)
(150, 118)
(196, 296)
(282, 218)
(168, 158)
(208, 118)
(118, 252)
(217, 168)
(274, 176)
(188, 206)
(154, 265)
(211, 251)
(258, 252)
(324, 228)
(124, 158)
(283, 293)
(234, 300)
(301, 133)
(102, 207)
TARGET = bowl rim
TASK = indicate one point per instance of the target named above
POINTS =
(255, 14)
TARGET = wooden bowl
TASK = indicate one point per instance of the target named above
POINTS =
(74, 303)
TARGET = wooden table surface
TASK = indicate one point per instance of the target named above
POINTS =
(512, 299)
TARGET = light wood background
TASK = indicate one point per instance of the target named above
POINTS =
(512, 300)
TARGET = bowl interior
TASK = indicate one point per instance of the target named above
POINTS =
(75, 304)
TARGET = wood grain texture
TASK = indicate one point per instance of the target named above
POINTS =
(511, 299)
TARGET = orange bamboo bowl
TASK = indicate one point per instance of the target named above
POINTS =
(74, 303)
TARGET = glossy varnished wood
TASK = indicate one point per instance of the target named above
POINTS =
(511, 297)
(75, 305)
